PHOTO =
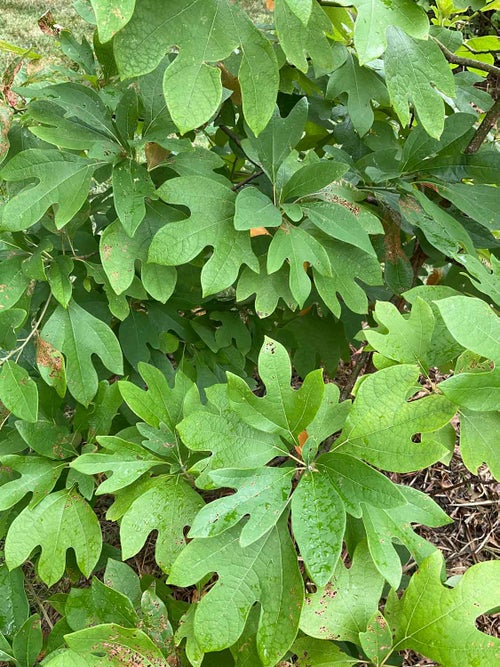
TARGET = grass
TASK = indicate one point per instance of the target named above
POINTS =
(20, 23)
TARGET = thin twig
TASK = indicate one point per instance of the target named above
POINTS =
(360, 365)
(33, 331)
(467, 62)
(39, 602)
(234, 137)
(488, 123)
(248, 179)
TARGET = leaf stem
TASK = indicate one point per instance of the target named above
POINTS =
(248, 179)
(234, 137)
(467, 62)
(18, 350)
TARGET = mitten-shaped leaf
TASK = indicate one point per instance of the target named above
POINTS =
(63, 181)
(266, 572)
(414, 68)
(210, 224)
(79, 335)
(382, 422)
(165, 504)
(438, 621)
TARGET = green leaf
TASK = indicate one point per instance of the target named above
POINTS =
(403, 339)
(79, 335)
(192, 87)
(480, 202)
(298, 39)
(318, 524)
(382, 422)
(185, 631)
(486, 279)
(126, 460)
(410, 67)
(301, 8)
(156, 623)
(473, 324)
(264, 572)
(15, 606)
(165, 504)
(27, 642)
(116, 645)
(298, 248)
(311, 178)
(438, 621)
(357, 483)
(51, 366)
(59, 125)
(131, 184)
(362, 86)
(37, 476)
(6, 650)
(13, 280)
(63, 181)
(349, 265)
(376, 642)
(268, 289)
(441, 229)
(254, 209)
(318, 653)
(282, 410)
(62, 520)
(52, 441)
(121, 577)
(210, 224)
(382, 526)
(341, 609)
(331, 415)
(218, 429)
(315, 342)
(479, 440)
(160, 404)
(474, 391)
(275, 143)
(374, 16)
(119, 253)
(58, 276)
(193, 91)
(261, 493)
(258, 74)
(443, 348)
(10, 321)
(18, 391)
(98, 604)
(340, 223)
(111, 16)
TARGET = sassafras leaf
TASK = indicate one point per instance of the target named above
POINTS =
(62, 520)
(266, 572)
(438, 621)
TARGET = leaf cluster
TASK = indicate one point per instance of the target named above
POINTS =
(200, 218)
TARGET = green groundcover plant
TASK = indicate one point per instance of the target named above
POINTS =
(201, 216)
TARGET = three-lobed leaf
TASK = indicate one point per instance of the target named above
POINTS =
(78, 335)
(438, 621)
(62, 520)
(265, 571)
